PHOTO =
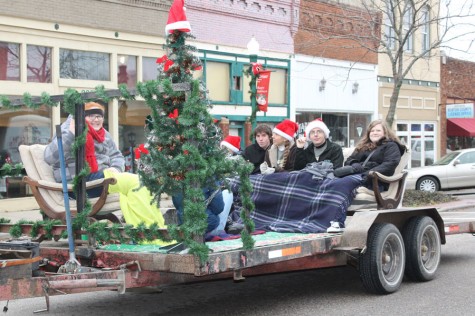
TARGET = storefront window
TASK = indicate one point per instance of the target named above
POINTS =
(74, 64)
(39, 63)
(218, 81)
(23, 127)
(149, 68)
(338, 124)
(132, 116)
(127, 70)
(421, 139)
(9, 61)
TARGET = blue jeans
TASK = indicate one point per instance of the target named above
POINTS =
(214, 209)
(92, 193)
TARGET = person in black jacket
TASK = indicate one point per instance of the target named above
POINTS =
(319, 149)
(256, 152)
(387, 151)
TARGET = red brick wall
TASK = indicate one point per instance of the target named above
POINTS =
(326, 30)
(457, 85)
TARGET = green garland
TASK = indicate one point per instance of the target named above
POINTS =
(10, 170)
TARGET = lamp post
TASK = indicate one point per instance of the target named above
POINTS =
(253, 50)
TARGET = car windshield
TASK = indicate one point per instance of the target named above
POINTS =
(446, 159)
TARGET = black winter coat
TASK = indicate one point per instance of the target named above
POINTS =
(385, 159)
(332, 153)
(255, 154)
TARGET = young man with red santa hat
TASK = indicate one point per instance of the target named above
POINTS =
(281, 155)
(319, 149)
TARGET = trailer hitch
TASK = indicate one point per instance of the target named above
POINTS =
(69, 284)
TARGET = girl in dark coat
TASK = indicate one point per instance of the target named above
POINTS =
(387, 150)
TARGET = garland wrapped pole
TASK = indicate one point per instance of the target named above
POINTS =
(182, 140)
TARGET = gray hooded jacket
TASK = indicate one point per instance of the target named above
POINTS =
(107, 154)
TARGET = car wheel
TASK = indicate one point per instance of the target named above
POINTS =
(428, 184)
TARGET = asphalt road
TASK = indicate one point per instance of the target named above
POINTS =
(335, 291)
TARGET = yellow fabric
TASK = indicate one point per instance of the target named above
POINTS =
(135, 204)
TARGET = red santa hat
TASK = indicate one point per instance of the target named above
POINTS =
(318, 123)
(177, 18)
(286, 129)
(233, 143)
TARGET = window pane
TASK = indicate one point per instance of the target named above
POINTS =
(429, 127)
(74, 64)
(23, 127)
(338, 126)
(127, 70)
(217, 81)
(132, 116)
(415, 127)
(149, 68)
(358, 124)
(278, 86)
(39, 63)
(402, 127)
(9, 61)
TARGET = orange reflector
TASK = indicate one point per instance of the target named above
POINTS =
(454, 228)
(285, 252)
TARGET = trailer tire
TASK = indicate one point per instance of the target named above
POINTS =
(382, 264)
(422, 242)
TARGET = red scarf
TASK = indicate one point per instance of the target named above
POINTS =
(92, 135)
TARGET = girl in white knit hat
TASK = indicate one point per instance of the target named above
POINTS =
(320, 148)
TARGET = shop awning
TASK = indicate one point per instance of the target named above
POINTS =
(461, 127)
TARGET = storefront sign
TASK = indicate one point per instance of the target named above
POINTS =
(262, 95)
(462, 110)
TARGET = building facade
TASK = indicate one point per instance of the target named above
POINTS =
(457, 119)
(52, 46)
(333, 77)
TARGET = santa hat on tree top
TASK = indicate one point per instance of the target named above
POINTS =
(177, 18)
(286, 129)
(233, 143)
(318, 123)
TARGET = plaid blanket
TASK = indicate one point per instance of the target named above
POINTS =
(294, 202)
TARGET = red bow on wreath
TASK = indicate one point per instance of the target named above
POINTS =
(140, 150)
(174, 115)
(164, 60)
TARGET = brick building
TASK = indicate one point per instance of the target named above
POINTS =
(457, 98)
(334, 77)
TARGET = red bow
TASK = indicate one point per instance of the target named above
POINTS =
(164, 59)
(174, 114)
(140, 150)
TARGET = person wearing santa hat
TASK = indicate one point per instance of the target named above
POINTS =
(281, 155)
(232, 144)
(320, 148)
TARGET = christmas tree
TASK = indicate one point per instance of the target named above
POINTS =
(183, 139)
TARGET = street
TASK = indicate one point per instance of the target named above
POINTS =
(336, 291)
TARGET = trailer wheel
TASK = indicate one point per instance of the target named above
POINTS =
(382, 265)
(422, 242)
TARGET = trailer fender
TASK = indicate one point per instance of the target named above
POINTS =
(356, 232)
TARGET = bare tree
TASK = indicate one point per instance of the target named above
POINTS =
(388, 29)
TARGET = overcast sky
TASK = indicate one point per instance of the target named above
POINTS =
(464, 47)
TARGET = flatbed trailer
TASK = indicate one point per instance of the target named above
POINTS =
(384, 245)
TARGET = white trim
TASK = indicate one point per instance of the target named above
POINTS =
(228, 145)
(286, 136)
(177, 26)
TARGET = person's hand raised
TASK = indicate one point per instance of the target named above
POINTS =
(301, 141)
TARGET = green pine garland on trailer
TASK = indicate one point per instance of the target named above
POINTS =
(183, 141)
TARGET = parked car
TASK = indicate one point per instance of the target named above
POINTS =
(454, 170)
